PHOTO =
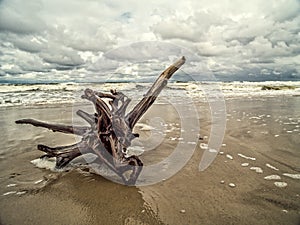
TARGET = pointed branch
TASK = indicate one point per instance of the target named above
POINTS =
(138, 111)
(78, 130)
(91, 119)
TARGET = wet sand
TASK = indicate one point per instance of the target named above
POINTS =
(264, 129)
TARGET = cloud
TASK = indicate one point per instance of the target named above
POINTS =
(62, 55)
(84, 39)
(24, 19)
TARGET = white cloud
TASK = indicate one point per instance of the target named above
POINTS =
(230, 37)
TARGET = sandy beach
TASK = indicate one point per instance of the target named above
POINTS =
(261, 139)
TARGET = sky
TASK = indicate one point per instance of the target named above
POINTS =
(108, 40)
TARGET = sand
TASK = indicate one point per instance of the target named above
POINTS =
(225, 193)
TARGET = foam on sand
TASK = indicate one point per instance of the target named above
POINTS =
(271, 167)
(256, 169)
(203, 146)
(272, 177)
(44, 163)
(229, 156)
(245, 164)
(280, 184)
(232, 185)
(135, 150)
(144, 127)
(246, 157)
(9, 193)
(47, 163)
(212, 150)
(294, 176)
(38, 181)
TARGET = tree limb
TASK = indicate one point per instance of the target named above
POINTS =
(148, 99)
(78, 130)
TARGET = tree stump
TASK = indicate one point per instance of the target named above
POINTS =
(110, 131)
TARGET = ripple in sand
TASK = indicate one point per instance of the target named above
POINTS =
(294, 176)
(280, 184)
(256, 169)
(272, 177)
(271, 167)
(246, 157)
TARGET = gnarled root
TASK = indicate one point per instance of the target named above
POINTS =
(110, 131)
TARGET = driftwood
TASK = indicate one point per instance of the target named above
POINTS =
(110, 131)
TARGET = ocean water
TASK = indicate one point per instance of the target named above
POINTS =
(39, 94)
